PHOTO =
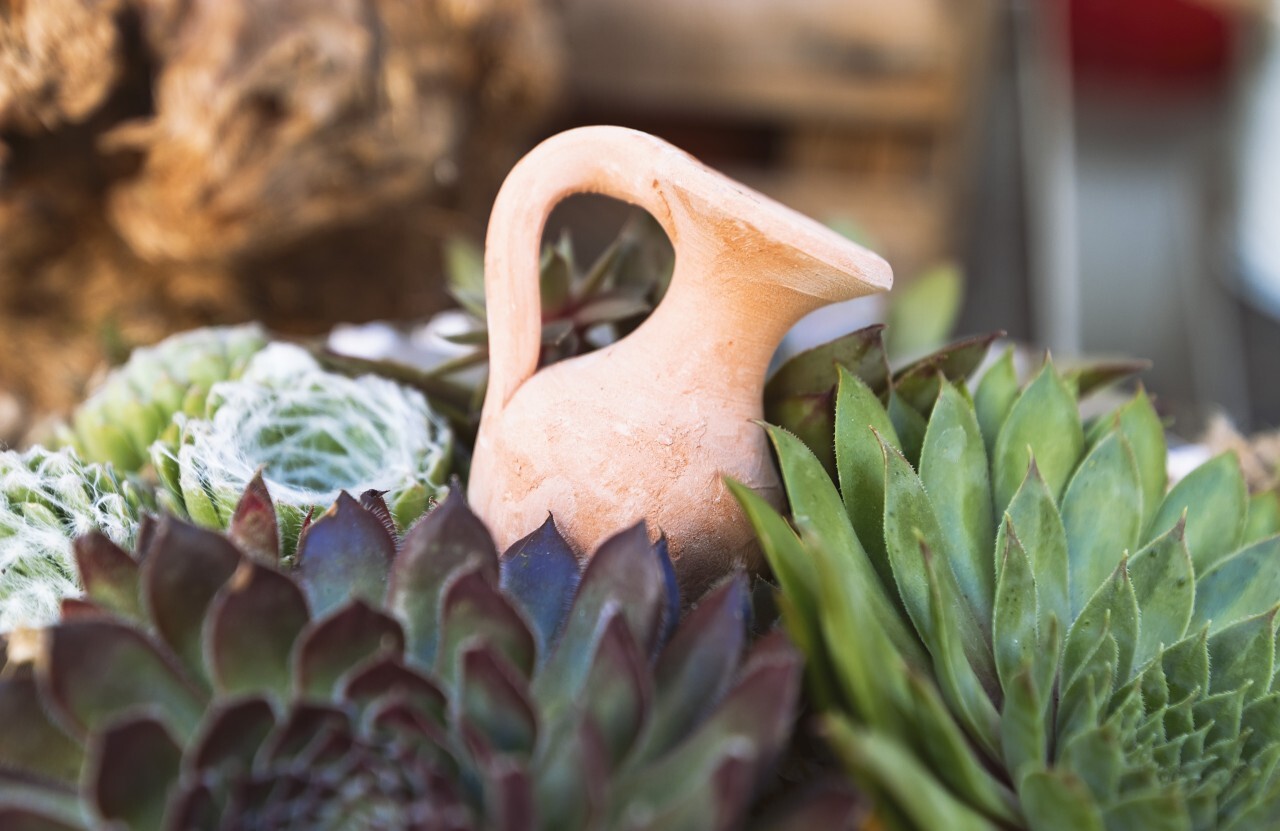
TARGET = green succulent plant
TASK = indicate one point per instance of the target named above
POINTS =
(1010, 623)
(137, 400)
(313, 433)
(387, 683)
(47, 499)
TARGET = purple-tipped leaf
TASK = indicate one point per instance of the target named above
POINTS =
(573, 777)
(449, 539)
(231, 737)
(330, 648)
(307, 725)
(110, 577)
(956, 361)
(254, 527)
(253, 624)
(131, 768)
(391, 676)
(618, 689)
(345, 554)
(185, 568)
(97, 670)
(541, 573)
(373, 502)
(509, 796)
(475, 610)
(493, 700)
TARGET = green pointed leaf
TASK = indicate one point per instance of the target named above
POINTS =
(1042, 423)
(1186, 667)
(1034, 517)
(1014, 634)
(1056, 800)
(890, 767)
(1159, 811)
(909, 426)
(1095, 755)
(1215, 500)
(994, 397)
(860, 463)
(953, 469)
(1242, 656)
(1263, 517)
(1023, 725)
(919, 390)
(1102, 514)
(1243, 585)
(1164, 585)
(1113, 610)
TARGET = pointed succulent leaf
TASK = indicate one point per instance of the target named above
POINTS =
(1014, 633)
(1059, 801)
(131, 768)
(390, 676)
(572, 778)
(696, 668)
(1102, 514)
(1139, 423)
(886, 764)
(994, 397)
(1034, 517)
(1164, 585)
(448, 539)
(183, 570)
(231, 736)
(1245, 584)
(1263, 517)
(253, 527)
(617, 691)
(541, 573)
(97, 670)
(919, 382)
(1042, 423)
(1023, 724)
(953, 470)
(31, 741)
(860, 464)
(1097, 375)
(1186, 667)
(920, 389)
(374, 501)
(252, 626)
(1096, 757)
(1112, 610)
(1215, 501)
(1242, 656)
(909, 425)
(329, 648)
(1153, 811)
(346, 553)
(474, 610)
(110, 577)
(494, 701)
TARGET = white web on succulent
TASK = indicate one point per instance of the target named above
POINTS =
(312, 432)
(47, 499)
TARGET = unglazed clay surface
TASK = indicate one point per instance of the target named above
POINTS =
(649, 426)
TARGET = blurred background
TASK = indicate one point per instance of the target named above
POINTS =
(1103, 175)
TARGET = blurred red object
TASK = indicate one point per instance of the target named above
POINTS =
(1168, 43)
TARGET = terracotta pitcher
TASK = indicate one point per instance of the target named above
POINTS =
(648, 426)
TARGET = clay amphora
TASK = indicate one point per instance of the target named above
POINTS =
(648, 426)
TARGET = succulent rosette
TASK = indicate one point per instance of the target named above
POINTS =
(47, 499)
(1012, 623)
(387, 683)
(313, 433)
(137, 400)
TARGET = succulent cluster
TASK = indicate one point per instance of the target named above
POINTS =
(47, 499)
(313, 433)
(136, 402)
(388, 683)
(1011, 624)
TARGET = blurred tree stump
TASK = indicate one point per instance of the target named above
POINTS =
(171, 163)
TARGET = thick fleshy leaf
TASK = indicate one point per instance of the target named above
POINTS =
(1095, 755)
(345, 554)
(1140, 424)
(493, 701)
(231, 736)
(910, 521)
(1042, 423)
(1264, 517)
(253, 624)
(110, 577)
(31, 741)
(295, 738)
(1024, 736)
(474, 610)
(253, 527)
(919, 390)
(1102, 514)
(994, 397)
(448, 539)
(617, 692)
(374, 502)
(1034, 517)
(1059, 801)
(860, 462)
(1097, 375)
(329, 648)
(184, 568)
(955, 361)
(888, 766)
(1186, 667)
(800, 396)
(1113, 610)
(97, 670)
(1242, 656)
(1159, 811)
(909, 425)
(390, 676)
(541, 573)
(1164, 585)
(1215, 501)
(1243, 585)
(953, 469)
(130, 770)
(697, 667)
(1014, 633)
(572, 778)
